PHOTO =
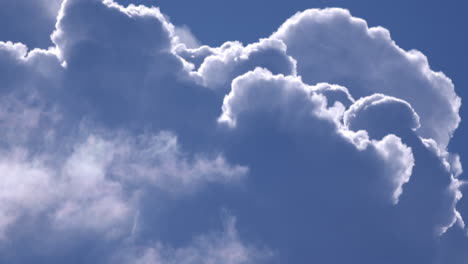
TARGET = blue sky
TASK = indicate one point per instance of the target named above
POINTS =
(235, 132)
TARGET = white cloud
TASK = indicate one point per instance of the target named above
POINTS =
(329, 118)
(159, 160)
(294, 104)
(92, 181)
(26, 187)
(401, 162)
(366, 107)
(260, 89)
(186, 37)
(89, 193)
(332, 46)
(233, 59)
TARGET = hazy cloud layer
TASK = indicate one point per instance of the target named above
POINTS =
(128, 141)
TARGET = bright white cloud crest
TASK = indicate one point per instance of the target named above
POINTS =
(130, 134)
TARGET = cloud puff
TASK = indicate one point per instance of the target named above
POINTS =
(339, 48)
(127, 137)
(296, 105)
(377, 113)
(233, 59)
(333, 169)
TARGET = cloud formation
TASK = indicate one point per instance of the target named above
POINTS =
(366, 61)
(126, 138)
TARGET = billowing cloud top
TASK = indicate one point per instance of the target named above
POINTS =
(129, 142)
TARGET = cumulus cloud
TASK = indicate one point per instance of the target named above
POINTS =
(401, 162)
(366, 61)
(296, 105)
(126, 138)
(287, 118)
(377, 113)
(233, 59)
